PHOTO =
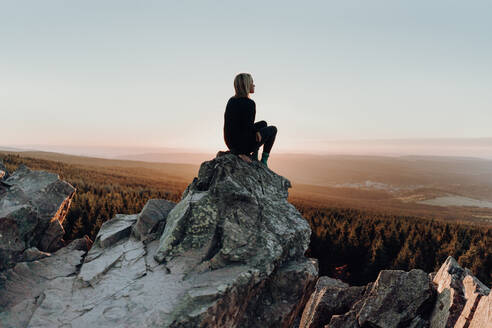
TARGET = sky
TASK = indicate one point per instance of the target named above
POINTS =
(158, 74)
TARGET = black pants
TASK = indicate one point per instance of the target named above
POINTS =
(268, 134)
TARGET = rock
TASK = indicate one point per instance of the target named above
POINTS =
(236, 213)
(107, 252)
(396, 298)
(53, 237)
(349, 319)
(154, 212)
(459, 295)
(33, 254)
(406, 299)
(4, 174)
(331, 297)
(22, 287)
(482, 317)
(283, 297)
(32, 210)
(231, 255)
(114, 230)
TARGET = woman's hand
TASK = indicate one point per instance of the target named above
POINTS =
(258, 136)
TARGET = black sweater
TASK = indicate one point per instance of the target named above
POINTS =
(239, 118)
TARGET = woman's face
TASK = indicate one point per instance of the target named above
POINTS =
(252, 89)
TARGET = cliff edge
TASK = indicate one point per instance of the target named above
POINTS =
(229, 254)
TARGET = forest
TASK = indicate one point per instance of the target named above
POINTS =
(350, 244)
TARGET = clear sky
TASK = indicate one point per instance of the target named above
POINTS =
(159, 73)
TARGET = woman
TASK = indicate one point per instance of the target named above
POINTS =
(242, 135)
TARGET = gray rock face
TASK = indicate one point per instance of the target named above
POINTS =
(236, 259)
(454, 298)
(283, 297)
(396, 299)
(33, 205)
(153, 214)
(236, 213)
(24, 287)
(230, 254)
(4, 174)
(459, 296)
(482, 317)
(330, 297)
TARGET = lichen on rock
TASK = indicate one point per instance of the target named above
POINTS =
(236, 212)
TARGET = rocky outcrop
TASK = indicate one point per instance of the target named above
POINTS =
(396, 299)
(229, 254)
(152, 219)
(460, 294)
(24, 287)
(330, 297)
(482, 317)
(4, 173)
(452, 297)
(33, 205)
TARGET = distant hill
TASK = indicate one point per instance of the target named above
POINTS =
(2, 148)
(172, 157)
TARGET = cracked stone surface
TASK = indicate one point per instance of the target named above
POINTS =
(396, 299)
(33, 205)
(236, 213)
(230, 254)
(330, 297)
(22, 287)
(459, 296)
(152, 218)
(450, 298)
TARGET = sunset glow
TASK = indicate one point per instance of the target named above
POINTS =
(334, 77)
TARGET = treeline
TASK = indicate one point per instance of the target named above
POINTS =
(350, 244)
(101, 192)
(355, 245)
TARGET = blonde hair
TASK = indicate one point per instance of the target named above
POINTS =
(242, 84)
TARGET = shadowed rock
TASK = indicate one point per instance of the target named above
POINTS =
(23, 288)
(234, 257)
(236, 213)
(330, 297)
(33, 205)
(407, 299)
(154, 213)
(396, 298)
(229, 254)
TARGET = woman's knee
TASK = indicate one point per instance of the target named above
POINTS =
(260, 125)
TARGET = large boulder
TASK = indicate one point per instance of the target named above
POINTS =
(450, 298)
(236, 213)
(152, 218)
(33, 205)
(229, 254)
(330, 297)
(459, 296)
(396, 299)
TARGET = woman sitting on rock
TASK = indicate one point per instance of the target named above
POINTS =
(242, 135)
